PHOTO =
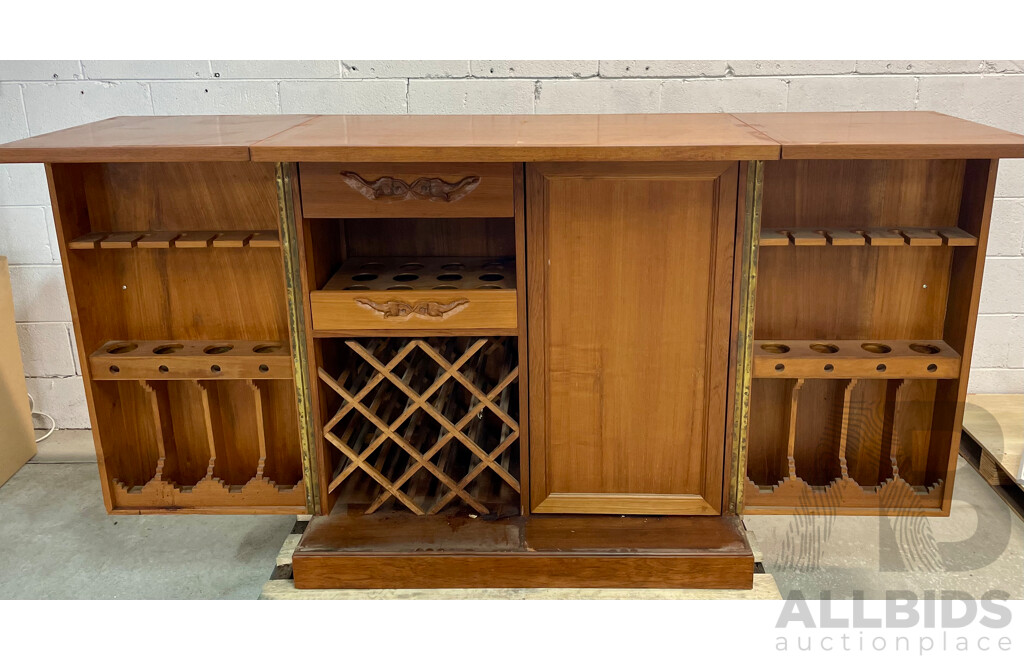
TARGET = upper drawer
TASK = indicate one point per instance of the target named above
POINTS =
(406, 190)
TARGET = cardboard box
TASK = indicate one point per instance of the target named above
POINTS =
(17, 439)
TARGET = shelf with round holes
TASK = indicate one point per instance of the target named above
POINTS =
(410, 296)
(854, 358)
(190, 360)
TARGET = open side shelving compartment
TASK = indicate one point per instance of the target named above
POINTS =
(859, 414)
(184, 351)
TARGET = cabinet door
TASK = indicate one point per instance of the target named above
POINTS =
(629, 296)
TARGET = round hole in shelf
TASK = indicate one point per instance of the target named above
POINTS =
(825, 348)
(114, 369)
(215, 368)
(445, 286)
(405, 277)
(872, 347)
(492, 277)
(122, 347)
(217, 349)
(167, 349)
(777, 349)
(412, 265)
(357, 287)
(264, 368)
(933, 368)
(880, 367)
(495, 265)
(364, 277)
(449, 277)
(780, 367)
(163, 368)
(373, 265)
(400, 287)
(488, 286)
(926, 349)
(829, 367)
(266, 348)
(453, 266)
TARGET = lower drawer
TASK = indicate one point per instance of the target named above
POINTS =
(414, 295)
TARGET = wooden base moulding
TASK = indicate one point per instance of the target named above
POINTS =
(402, 551)
(794, 496)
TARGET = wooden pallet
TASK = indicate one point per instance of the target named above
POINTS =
(993, 441)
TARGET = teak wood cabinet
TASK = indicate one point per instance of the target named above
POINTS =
(525, 350)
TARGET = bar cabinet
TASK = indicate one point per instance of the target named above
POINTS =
(525, 351)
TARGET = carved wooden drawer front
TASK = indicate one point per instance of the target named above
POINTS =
(406, 190)
(417, 295)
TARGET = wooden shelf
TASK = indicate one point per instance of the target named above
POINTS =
(175, 239)
(855, 358)
(467, 295)
(190, 360)
(875, 236)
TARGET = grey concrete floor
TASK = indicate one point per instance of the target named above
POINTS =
(977, 549)
(56, 541)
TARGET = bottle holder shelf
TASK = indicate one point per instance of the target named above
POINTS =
(841, 447)
(176, 239)
(468, 295)
(879, 237)
(425, 424)
(885, 359)
(419, 273)
(190, 360)
(202, 445)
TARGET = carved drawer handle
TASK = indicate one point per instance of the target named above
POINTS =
(388, 188)
(427, 308)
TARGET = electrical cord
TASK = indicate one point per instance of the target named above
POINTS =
(53, 422)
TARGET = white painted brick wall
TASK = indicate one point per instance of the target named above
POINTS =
(353, 97)
(471, 97)
(40, 96)
(208, 97)
(598, 95)
(724, 95)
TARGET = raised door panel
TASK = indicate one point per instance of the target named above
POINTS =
(629, 294)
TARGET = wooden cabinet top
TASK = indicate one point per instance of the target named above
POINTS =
(413, 138)
(519, 138)
(883, 135)
(151, 139)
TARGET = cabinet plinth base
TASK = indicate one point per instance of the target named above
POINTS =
(403, 551)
